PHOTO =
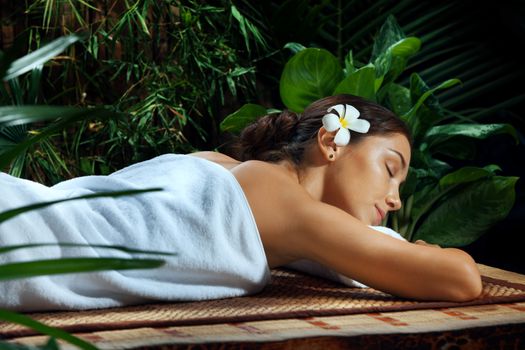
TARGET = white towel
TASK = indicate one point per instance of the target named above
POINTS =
(319, 270)
(201, 215)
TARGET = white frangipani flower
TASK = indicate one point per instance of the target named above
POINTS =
(344, 120)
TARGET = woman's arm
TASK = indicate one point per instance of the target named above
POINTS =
(295, 226)
(336, 239)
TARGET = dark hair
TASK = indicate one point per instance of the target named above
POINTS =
(287, 135)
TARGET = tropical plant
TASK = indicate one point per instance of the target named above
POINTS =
(13, 121)
(443, 205)
(453, 44)
(170, 66)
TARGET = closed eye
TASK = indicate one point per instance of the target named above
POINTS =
(389, 171)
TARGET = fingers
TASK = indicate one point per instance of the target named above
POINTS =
(422, 242)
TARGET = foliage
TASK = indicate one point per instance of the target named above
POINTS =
(169, 66)
(443, 205)
(452, 44)
(15, 118)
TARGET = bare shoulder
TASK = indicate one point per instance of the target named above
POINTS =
(274, 195)
(219, 158)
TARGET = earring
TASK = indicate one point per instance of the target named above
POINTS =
(331, 156)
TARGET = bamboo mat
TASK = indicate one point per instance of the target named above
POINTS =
(290, 295)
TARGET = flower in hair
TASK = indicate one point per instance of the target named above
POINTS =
(344, 120)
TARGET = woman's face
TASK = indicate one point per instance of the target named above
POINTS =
(364, 179)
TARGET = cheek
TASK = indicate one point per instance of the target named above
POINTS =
(352, 196)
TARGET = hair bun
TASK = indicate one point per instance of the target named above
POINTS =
(264, 138)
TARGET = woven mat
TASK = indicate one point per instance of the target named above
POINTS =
(290, 295)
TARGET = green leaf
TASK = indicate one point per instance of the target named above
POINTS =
(467, 174)
(247, 29)
(40, 56)
(457, 148)
(239, 119)
(294, 47)
(51, 344)
(9, 214)
(18, 115)
(349, 64)
(5, 143)
(43, 329)
(392, 62)
(426, 112)
(423, 161)
(467, 214)
(389, 34)
(70, 265)
(68, 115)
(426, 197)
(309, 75)
(406, 47)
(398, 98)
(409, 186)
(401, 52)
(10, 248)
(426, 94)
(443, 133)
(360, 83)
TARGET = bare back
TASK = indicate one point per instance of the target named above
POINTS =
(262, 183)
(293, 225)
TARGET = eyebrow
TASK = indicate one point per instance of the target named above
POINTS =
(403, 162)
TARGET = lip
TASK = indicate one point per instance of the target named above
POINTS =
(380, 213)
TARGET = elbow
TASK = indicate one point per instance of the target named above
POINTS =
(468, 285)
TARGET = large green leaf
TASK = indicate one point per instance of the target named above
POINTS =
(308, 76)
(391, 52)
(458, 147)
(393, 61)
(398, 98)
(238, 120)
(426, 197)
(468, 213)
(389, 34)
(40, 56)
(467, 174)
(360, 83)
(423, 162)
(443, 133)
(426, 111)
(400, 53)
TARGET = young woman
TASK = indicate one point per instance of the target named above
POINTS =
(303, 187)
(314, 197)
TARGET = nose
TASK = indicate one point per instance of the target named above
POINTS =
(393, 202)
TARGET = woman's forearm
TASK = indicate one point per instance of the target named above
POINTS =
(469, 284)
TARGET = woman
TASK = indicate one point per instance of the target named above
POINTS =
(306, 187)
(313, 199)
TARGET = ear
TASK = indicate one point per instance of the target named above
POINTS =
(327, 147)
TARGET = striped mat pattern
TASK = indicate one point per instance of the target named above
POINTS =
(290, 295)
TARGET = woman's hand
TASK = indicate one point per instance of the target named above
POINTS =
(422, 242)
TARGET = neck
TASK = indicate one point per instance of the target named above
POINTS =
(310, 176)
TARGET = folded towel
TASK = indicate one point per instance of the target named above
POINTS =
(314, 268)
(201, 215)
